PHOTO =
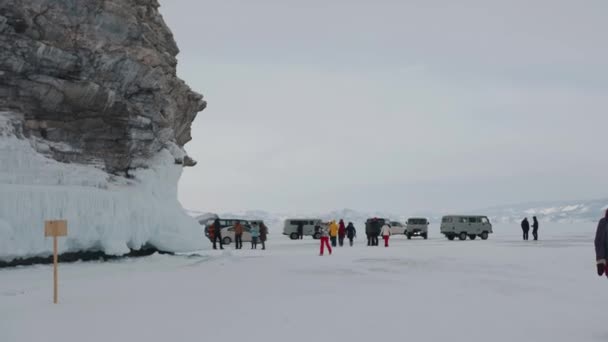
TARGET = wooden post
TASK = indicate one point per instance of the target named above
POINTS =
(55, 228)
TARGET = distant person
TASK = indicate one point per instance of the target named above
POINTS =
(238, 235)
(525, 227)
(341, 233)
(263, 235)
(535, 228)
(386, 233)
(324, 240)
(351, 233)
(333, 233)
(368, 232)
(217, 233)
(255, 234)
(601, 245)
(376, 228)
(301, 230)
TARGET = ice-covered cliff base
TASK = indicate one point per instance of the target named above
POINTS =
(104, 213)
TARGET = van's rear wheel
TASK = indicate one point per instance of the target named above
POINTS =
(450, 237)
(409, 236)
(226, 240)
(462, 236)
(472, 236)
(317, 236)
(294, 236)
(484, 235)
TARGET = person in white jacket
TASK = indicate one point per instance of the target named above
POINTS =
(386, 232)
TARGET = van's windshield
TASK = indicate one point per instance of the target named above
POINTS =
(416, 221)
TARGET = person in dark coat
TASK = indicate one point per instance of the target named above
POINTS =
(601, 245)
(263, 235)
(238, 235)
(351, 232)
(525, 227)
(301, 230)
(217, 233)
(368, 230)
(376, 228)
(341, 233)
(535, 228)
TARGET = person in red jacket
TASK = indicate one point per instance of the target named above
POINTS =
(341, 233)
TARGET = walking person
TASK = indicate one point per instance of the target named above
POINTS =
(386, 233)
(301, 230)
(525, 227)
(341, 233)
(351, 233)
(263, 235)
(238, 235)
(217, 233)
(333, 233)
(368, 232)
(535, 228)
(324, 240)
(601, 245)
(255, 234)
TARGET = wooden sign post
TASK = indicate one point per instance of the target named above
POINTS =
(55, 228)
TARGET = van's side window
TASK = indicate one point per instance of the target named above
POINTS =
(484, 220)
(464, 220)
(473, 219)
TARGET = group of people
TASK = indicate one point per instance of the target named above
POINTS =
(334, 232)
(258, 231)
(375, 228)
(525, 227)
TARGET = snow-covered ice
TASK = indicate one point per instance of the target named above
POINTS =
(110, 214)
(498, 290)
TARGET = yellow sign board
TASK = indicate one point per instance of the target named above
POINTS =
(56, 228)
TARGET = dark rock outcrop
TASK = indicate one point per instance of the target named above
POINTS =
(97, 76)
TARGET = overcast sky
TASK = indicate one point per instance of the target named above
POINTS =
(399, 106)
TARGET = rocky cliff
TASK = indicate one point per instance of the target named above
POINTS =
(93, 120)
(96, 79)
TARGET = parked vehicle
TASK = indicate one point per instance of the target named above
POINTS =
(227, 223)
(397, 228)
(228, 234)
(290, 227)
(462, 226)
(417, 226)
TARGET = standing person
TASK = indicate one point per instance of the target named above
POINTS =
(351, 233)
(324, 240)
(376, 227)
(217, 233)
(601, 245)
(238, 235)
(341, 233)
(263, 235)
(368, 231)
(333, 233)
(535, 228)
(255, 234)
(211, 234)
(301, 230)
(525, 227)
(386, 233)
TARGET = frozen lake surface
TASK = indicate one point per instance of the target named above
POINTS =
(502, 289)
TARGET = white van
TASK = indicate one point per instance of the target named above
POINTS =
(462, 226)
(417, 226)
(290, 227)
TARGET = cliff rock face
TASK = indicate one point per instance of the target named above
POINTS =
(93, 120)
(96, 79)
